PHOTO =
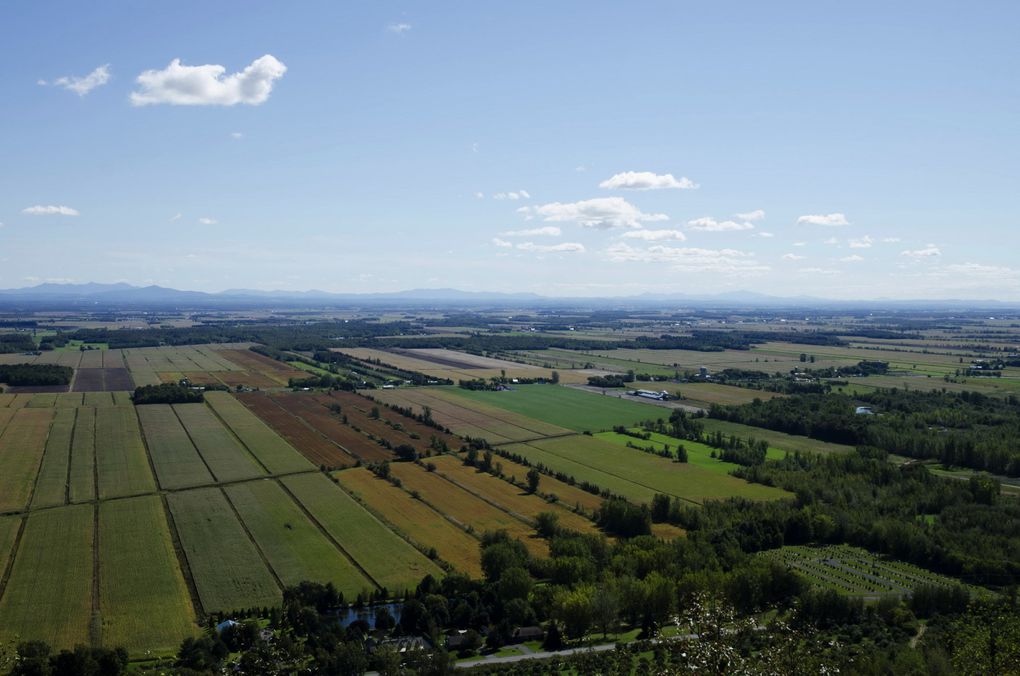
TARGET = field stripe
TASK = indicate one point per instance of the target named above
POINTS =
(389, 560)
(21, 451)
(140, 579)
(225, 457)
(81, 480)
(51, 486)
(49, 593)
(228, 571)
(175, 458)
(120, 456)
(271, 450)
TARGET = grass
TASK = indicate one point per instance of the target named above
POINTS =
(82, 479)
(295, 548)
(566, 407)
(49, 594)
(9, 526)
(122, 464)
(271, 450)
(140, 578)
(225, 564)
(706, 394)
(51, 485)
(226, 458)
(21, 450)
(387, 558)
(414, 519)
(98, 399)
(698, 455)
(174, 457)
(638, 475)
(779, 440)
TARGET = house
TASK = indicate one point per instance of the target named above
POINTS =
(525, 634)
(225, 624)
(651, 394)
(864, 410)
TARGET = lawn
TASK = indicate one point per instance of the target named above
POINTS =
(294, 547)
(120, 455)
(565, 407)
(49, 594)
(385, 556)
(414, 519)
(271, 450)
(225, 564)
(174, 457)
(226, 458)
(140, 578)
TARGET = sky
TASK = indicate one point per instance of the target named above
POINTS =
(842, 150)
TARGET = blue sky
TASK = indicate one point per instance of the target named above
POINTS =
(848, 150)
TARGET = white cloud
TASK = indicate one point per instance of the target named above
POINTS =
(236, 135)
(992, 272)
(480, 195)
(601, 212)
(50, 210)
(547, 231)
(205, 220)
(709, 224)
(766, 235)
(820, 271)
(793, 257)
(646, 180)
(176, 217)
(755, 215)
(929, 251)
(399, 28)
(854, 258)
(502, 243)
(688, 259)
(891, 240)
(82, 85)
(832, 241)
(514, 196)
(206, 85)
(862, 243)
(823, 219)
(800, 243)
(655, 235)
(565, 247)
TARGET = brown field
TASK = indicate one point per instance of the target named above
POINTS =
(315, 414)
(568, 496)
(102, 380)
(505, 495)
(667, 531)
(454, 365)
(309, 442)
(351, 402)
(706, 394)
(464, 507)
(278, 372)
(414, 519)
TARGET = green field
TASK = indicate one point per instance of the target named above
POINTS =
(272, 451)
(566, 407)
(226, 458)
(854, 571)
(120, 457)
(21, 450)
(225, 565)
(9, 527)
(82, 476)
(385, 556)
(778, 440)
(698, 455)
(294, 547)
(49, 593)
(637, 475)
(174, 457)
(51, 486)
(140, 579)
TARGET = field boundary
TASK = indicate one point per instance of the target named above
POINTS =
(254, 542)
(182, 559)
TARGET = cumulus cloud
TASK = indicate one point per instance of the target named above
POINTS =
(547, 231)
(205, 220)
(766, 235)
(862, 243)
(688, 259)
(236, 135)
(50, 210)
(399, 28)
(793, 257)
(755, 215)
(823, 219)
(709, 224)
(502, 243)
(82, 85)
(565, 247)
(206, 85)
(854, 258)
(602, 213)
(513, 195)
(891, 240)
(647, 180)
(655, 235)
(176, 217)
(930, 251)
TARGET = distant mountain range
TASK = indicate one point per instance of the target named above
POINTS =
(123, 294)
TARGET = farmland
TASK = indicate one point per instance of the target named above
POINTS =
(174, 457)
(21, 449)
(276, 455)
